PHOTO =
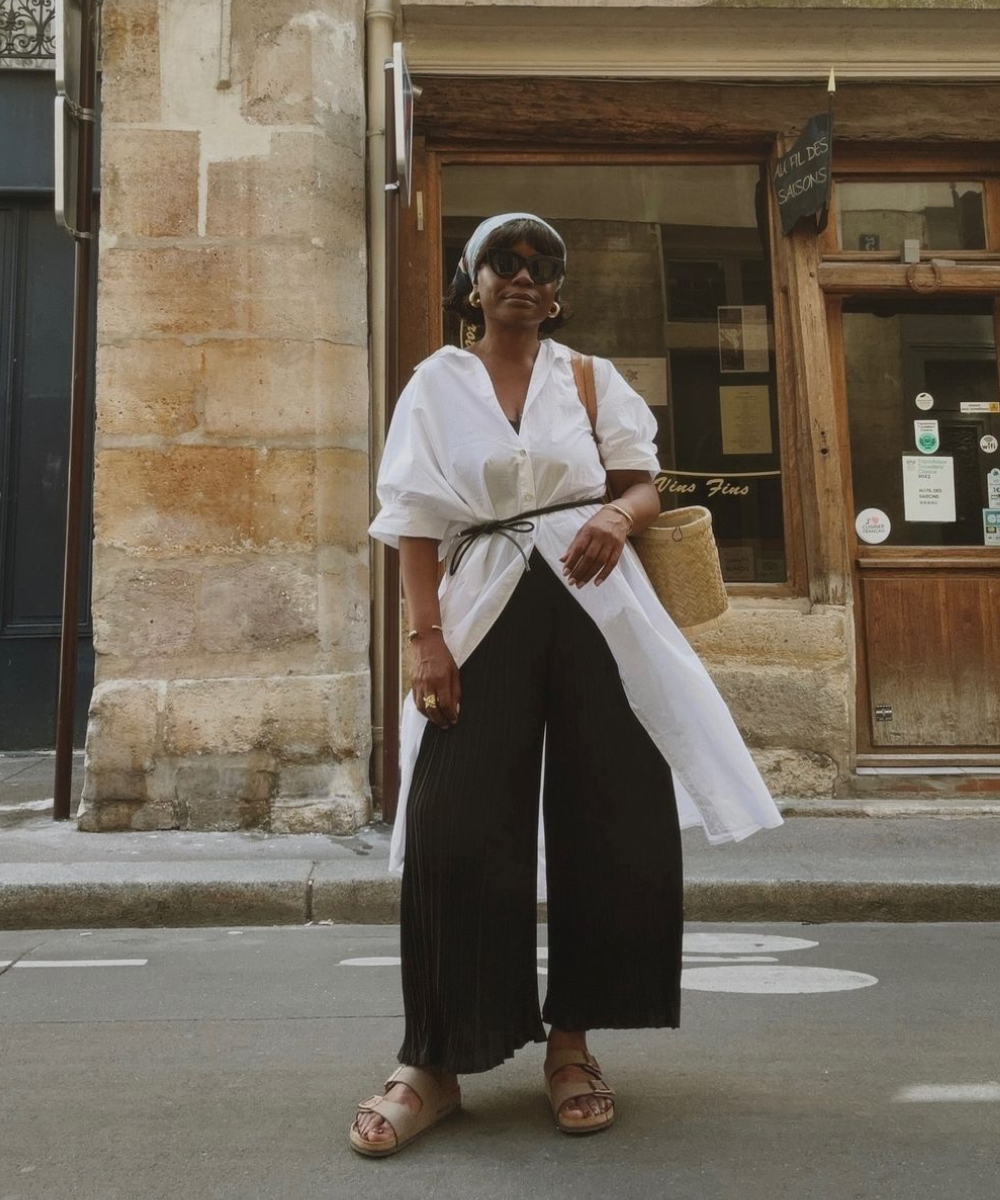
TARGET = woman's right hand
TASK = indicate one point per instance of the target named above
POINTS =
(435, 673)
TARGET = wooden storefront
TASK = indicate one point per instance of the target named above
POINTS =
(662, 188)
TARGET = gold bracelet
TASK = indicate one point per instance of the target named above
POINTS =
(624, 512)
(415, 633)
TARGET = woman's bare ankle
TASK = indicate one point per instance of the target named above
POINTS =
(567, 1039)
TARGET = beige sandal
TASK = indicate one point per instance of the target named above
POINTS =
(570, 1089)
(435, 1105)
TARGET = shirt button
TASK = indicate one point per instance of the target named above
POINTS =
(522, 453)
(529, 495)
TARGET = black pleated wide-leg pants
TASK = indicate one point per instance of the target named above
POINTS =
(615, 893)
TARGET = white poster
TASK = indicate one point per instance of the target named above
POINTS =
(647, 376)
(991, 526)
(993, 488)
(746, 419)
(928, 488)
(980, 406)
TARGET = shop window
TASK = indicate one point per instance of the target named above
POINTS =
(880, 215)
(669, 276)
(924, 411)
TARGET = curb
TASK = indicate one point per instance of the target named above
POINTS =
(103, 895)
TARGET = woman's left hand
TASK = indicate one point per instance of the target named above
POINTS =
(596, 549)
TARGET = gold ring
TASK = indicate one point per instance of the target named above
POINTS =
(430, 700)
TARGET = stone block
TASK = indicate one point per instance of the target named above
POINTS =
(149, 183)
(300, 291)
(305, 187)
(122, 731)
(773, 636)
(223, 498)
(262, 387)
(259, 605)
(342, 498)
(220, 791)
(148, 387)
(280, 291)
(172, 290)
(302, 67)
(797, 774)
(350, 715)
(287, 717)
(143, 608)
(787, 707)
(130, 90)
(319, 812)
(345, 610)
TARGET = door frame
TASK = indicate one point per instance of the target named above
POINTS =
(847, 274)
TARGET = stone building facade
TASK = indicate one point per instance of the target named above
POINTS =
(240, 342)
(231, 590)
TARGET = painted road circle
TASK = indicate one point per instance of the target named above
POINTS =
(774, 980)
(742, 943)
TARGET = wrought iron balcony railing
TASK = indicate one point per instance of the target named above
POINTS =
(27, 33)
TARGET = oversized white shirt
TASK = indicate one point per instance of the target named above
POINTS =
(452, 460)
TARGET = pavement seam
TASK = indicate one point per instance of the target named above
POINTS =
(14, 961)
(309, 890)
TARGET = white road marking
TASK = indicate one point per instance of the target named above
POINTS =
(773, 980)
(370, 962)
(27, 806)
(81, 962)
(742, 943)
(725, 958)
(961, 1092)
(5, 962)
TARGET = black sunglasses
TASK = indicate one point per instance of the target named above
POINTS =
(541, 267)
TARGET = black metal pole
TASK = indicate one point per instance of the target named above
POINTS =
(77, 425)
(390, 616)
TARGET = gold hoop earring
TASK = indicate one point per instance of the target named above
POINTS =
(474, 300)
(555, 310)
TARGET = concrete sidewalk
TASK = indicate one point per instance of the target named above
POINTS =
(892, 860)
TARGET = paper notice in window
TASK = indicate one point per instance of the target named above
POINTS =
(743, 338)
(746, 419)
(647, 376)
(928, 488)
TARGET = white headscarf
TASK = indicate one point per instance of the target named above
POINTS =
(474, 246)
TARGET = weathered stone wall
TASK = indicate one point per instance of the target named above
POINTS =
(231, 599)
(787, 676)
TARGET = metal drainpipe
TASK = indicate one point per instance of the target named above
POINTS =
(380, 30)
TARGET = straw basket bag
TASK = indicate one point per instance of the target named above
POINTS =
(681, 559)
(677, 550)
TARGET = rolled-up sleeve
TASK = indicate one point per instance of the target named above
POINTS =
(626, 429)
(415, 497)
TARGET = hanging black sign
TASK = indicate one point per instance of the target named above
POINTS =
(802, 176)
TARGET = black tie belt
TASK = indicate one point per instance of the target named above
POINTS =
(508, 526)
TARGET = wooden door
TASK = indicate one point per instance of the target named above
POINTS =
(922, 397)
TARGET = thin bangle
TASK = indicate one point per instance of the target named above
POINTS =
(624, 512)
(415, 633)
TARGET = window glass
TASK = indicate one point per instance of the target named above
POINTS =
(669, 276)
(939, 214)
(924, 408)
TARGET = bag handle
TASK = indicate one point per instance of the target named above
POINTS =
(586, 386)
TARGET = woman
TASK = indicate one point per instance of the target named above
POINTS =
(545, 642)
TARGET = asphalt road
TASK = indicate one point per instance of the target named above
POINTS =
(815, 1062)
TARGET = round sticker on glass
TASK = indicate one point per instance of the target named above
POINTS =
(872, 526)
(924, 401)
(988, 444)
